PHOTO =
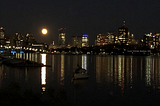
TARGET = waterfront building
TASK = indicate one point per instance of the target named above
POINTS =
(9, 40)
(29, 39)
(18, 40)
(80, 41)
(102, 39)
(61, 39)
(156, 40)
(2, 36)
(105, 39)
(77, 41)
(111, 37)
(148, 40)
(42, 47)
(116, 40)
(123, 35)
(85, 40)
(51, 46)
(131, 40)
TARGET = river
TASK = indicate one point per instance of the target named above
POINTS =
(114, 79)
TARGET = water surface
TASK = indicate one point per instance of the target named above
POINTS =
(118, 79)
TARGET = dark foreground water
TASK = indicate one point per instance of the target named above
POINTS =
(114, 80)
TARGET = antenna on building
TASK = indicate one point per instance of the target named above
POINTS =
(124, 23)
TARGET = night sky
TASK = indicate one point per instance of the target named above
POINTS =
(78, 17)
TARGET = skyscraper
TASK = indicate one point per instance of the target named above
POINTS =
(123, 34)
(77, 41)
(18, 40)
(80, 41)
(2, 34)
(148, 40)
(111, 37)
(105, 39)
(85, 40)
(61, 39)
(102, 39)
(29, 39)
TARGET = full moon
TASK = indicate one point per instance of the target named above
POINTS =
(44, 31)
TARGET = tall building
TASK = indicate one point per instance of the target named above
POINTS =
(101, 40)
(80, 41)
(61, 39)
(18, 40)
(130, 37)
(131, 40)
(9, 40)
(123, 35)
(105, 39)
(77, 41)
(151, 41)
(148, 40)
(156, 40)
(85, 40)
(29, 39)
(2, 36)
(111, 37)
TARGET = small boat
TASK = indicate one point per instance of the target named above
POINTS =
(80, 73)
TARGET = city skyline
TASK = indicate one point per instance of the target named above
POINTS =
(79, 17)
(103, 34)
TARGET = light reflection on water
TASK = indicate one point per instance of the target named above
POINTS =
(62, 69)
(84, 61)
(108, 74)
(43, 72)
(43, 69)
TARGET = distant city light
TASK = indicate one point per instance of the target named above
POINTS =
(53, 43)
(21, 51)
(60, 29)
(85, 35)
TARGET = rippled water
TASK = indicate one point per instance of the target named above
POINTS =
(119, 79)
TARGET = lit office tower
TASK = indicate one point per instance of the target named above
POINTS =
(2, 33)
(80, 41)
(105, 39)
(148, 40)
(29, 39)
(77, 41)
(111, 37)
(123, 34)
(157, 39)
(101, 40)
(18, 40)
(61, 40)
(85, 40)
